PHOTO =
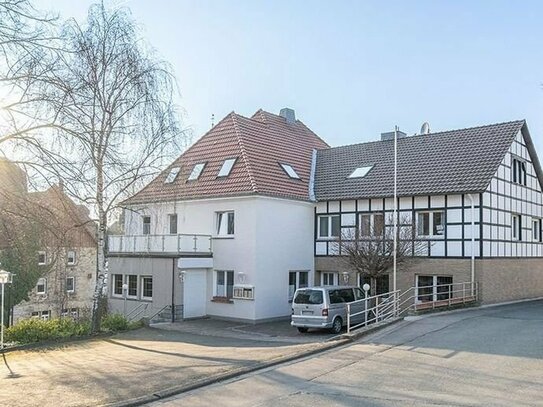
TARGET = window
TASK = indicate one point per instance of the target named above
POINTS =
(147, 287)
(360, 172)
(536, 230)
(519, 171)
(372, 224)
(42, 258)
(341, 296)
(290, 171)
(381, 284)
(434, 288)
(146, 225)
(328, 226)
(70, 312)
(132, 282)
(430, 223)
(296, 279)
(41, 286)
(172, 221)
(172, 175)
(226, 167)
(329, 278)
(45, 315)
(71, 257)
(196, 171)
(225, 223)
(225, 284)
(70, 284)
(516, 227)
(117, 284)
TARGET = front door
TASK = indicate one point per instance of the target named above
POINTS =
(194, 294)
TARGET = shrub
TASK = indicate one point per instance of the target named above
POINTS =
(114, 323)
(37, 330)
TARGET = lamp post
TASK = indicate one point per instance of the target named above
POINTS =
(366, 288)
(5, 278)
(395, 244)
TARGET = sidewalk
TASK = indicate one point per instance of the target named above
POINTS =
(139, 363)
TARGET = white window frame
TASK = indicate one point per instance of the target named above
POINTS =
(44, 254)
(42, 281)
(170, 216)
(113, 280)
(74, 261)
(225, 274)
(536, 229)
(326, 275)
(145, 231)
(172, 175)
(45, 315)
(330, 222)
(516, 227)
(226, 167)
(196, 171)
(222, 222)
(291, 172)
(292, 288)
(431, 215)
(360, 172)
(372, 224)
(73, 284)
(127, 278)
(519, 173)
(143, 296)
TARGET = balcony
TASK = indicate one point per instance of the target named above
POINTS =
(182, 245)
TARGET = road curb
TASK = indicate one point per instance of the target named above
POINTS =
(331, 343)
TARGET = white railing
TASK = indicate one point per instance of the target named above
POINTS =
(376, 308)
(183, 243)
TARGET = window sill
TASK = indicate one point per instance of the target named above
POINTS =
(223, 237)
(224, 300)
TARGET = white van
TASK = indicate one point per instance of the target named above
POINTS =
(325, 307)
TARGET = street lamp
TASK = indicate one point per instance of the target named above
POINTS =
(5, 278)
(366, 287)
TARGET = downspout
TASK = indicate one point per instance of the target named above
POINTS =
(312, 176)
(173, 290)
(472, 245)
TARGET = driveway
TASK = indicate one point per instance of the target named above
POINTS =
(479, 357)
(141, 362)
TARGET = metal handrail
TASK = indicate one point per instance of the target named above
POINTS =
(133, 316)
(135, 310)
(165, 307)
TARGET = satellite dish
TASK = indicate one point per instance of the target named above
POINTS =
(425, 129)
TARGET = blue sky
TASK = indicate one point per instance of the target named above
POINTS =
(350, 69)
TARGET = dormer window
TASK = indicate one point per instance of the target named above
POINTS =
(196, 171)
(172, 175)
(360, 172)
(290, 171)
(226, 167)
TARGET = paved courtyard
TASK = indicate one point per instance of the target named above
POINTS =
(480, 357)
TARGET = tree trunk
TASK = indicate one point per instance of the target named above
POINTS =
(373, 286)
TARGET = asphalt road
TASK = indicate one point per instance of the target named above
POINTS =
(482, 357)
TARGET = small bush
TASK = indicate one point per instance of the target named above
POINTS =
(37, 330)
(115, 323)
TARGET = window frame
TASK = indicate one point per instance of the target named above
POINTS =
(330, 227)
(536, 229)
(519, 170)
(435, 294)
(325, 275)
(172, 175)
(228, 294)
(372, 230)
(73, 284)
(230, 222)
(43, 280)
(144, 224)
(360, 172)
(171, 216)
(297, 284)
(44, 254)
(289, 170)
(226, 167)
(431, 226)
(114, 287)
(516, 227)
(196, 171)
(68, 262)
(134, 277)
(142, 288)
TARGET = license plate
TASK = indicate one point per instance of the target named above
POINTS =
(307, 312)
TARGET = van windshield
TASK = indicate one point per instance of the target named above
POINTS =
(308, 297)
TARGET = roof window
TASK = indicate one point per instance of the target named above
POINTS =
(196, 171)
(172, 175)
(290, 171)
(226, 167)
(360, 172)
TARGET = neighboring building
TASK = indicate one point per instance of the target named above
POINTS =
(226, 230)
(489, 175)
(65, 246)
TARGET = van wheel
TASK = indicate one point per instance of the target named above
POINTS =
(302, 330)
(337, 325)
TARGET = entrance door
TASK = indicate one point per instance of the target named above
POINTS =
(194, 294)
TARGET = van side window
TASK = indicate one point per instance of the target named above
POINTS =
(347, 295)
(335, 297)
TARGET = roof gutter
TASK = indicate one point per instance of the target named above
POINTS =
(312, 176)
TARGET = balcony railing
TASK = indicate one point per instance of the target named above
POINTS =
(180, 244)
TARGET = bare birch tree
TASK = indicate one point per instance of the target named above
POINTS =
(115, 119)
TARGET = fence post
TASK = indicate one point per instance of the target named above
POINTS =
(348, 318)
(376, 309)
(365, 307)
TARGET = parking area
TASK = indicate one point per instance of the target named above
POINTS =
(144, 361)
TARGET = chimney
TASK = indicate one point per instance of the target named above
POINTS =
(288, 114)
(389, 135)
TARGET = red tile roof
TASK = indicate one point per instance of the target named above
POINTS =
(259, 144)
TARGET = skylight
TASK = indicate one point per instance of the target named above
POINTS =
(196, 171)
(172, 175)
(290, 171)
(360, 172)
(226, 167)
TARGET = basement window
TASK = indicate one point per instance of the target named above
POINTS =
(290, 171)
(360, 172)
(172, 175)
(226, 167)
(196, 171)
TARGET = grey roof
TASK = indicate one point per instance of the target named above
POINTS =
(457, 161)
